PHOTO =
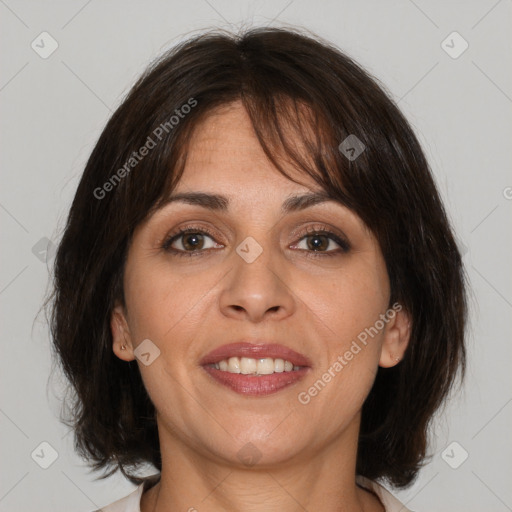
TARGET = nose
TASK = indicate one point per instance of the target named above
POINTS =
(258, 290)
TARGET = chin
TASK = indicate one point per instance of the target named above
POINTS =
(264, 445)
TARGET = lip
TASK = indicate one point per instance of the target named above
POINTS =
(256, 385)
(255, 350)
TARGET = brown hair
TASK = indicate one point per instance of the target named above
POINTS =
(275, 73)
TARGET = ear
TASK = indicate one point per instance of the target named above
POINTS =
(396, 336)
(121, 334)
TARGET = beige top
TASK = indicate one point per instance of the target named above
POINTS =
(131, 503)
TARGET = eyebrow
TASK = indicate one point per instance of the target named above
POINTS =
(217, 202)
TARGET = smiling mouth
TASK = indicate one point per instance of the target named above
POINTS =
(255, 367)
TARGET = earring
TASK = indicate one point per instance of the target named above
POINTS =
(123, 347)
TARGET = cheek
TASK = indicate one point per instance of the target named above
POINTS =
(346, 310)
(350, 300)
(161, 302)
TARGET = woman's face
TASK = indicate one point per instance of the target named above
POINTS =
(309, 278)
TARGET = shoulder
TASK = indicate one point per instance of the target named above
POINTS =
(130, 503)
(390, 503)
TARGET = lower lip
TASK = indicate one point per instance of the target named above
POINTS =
(256, 385)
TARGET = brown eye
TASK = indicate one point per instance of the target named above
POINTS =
(189, 242)
(192, 241)
(320, 243)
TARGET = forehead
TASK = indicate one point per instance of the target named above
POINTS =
(224, 151)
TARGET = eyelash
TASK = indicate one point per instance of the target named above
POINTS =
(311, 231)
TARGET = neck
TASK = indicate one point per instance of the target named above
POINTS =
(326, 481)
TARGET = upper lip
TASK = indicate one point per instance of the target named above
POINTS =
(256, 350)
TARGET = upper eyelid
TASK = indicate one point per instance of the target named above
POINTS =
(317, 226)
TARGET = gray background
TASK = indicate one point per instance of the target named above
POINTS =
(53, 109)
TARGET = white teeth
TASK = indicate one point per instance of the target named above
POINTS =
(247, 365)
(250, 366)
(279, 365)
(233, 365)
(265, 366)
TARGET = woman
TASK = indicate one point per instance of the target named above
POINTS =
(258, 291)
